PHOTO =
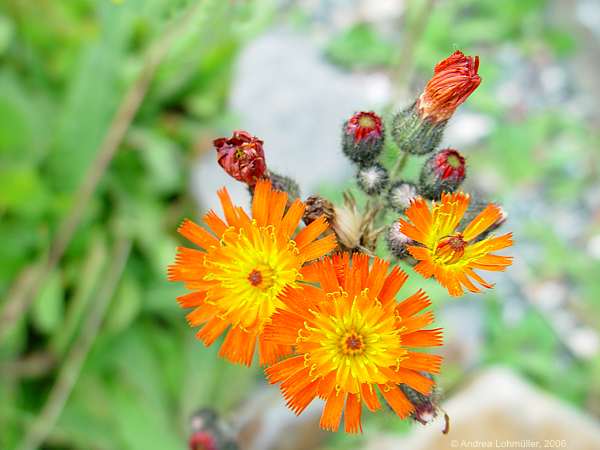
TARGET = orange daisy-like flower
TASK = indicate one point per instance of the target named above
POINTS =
(352, 340)
(242, 269)
(451, 255)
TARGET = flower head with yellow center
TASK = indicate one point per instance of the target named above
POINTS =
(451, 255)
(243, 267)
(352, 340)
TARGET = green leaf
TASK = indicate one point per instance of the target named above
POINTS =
(125, 306)
(48, 307)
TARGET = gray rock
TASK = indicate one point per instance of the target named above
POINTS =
(499, 409)
(287, 94)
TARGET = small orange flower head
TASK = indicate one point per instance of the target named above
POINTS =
(242, 268)
(451, 255)
(242, 157)
(353, 341)
(454, 79)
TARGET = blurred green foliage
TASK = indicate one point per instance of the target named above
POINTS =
(65, 68)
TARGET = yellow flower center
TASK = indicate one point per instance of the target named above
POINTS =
(354, 338)
(450, 249)
(366, 122)
(252, 267)
(453, 161)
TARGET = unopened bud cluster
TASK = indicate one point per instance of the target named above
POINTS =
(416, 130)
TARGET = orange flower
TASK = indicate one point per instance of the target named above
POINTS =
(352, 340)
(244, 266)
(451, 255)
(454, 79)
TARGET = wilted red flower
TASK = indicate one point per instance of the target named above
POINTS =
(242, 157)
(364, 125)
(454, 79)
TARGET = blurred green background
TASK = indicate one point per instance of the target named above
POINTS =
(72, 74)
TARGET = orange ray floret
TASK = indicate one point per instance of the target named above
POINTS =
(244, 265)
(448, 254)
(353, 342)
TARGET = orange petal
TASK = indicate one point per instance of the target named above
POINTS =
(327, 385)
(392, 284)
(413, 304)
(423, 338)
(284, 327)
(201, 314)
(301, 398)
(352, 414)
(311, 232)
(412, 231)
(227, 205)
(420, 216)
(422, 361)
(215, 223)
(369, 395)
(277, 207)
(270, 352)
(485, 219)
(327, 278)
(284, 369)
(397, 400)
(292, 218)
(192, 299)
(196, 234)
(212, 330)
(238, 346)
(424, 268)
(332, 413)
(417, 322)
(318, 248)
(260, 202)
(415, 380)
(377, 276)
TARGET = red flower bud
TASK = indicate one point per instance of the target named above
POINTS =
(242, 157)
(444, 171)
(201, 440)
(454, 79)
(362, 138)
(364, 125)
(449, 164)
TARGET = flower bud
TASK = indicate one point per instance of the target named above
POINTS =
(400, 194)
(419, 128)
(363, 138)
(210, 432)
(444, 171)
(426, 406)
(284, 184)
(201, 440)
(372, 179)
(397, 241)
(454, 79)
(316, 207)
(242, 157)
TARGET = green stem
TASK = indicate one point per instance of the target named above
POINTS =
(399, 166)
